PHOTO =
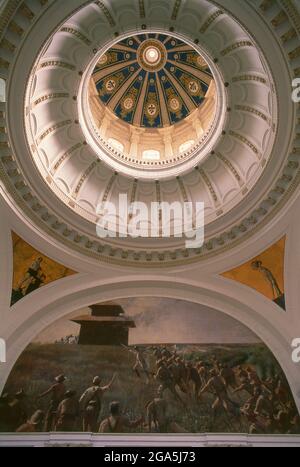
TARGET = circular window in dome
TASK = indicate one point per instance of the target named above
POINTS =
(152, 55)
(152, 92)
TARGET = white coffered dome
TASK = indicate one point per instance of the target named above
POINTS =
(82, 144)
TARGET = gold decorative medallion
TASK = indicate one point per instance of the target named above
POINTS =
(152, 55)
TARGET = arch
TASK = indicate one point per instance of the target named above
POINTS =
(277, 338)
(89, 292)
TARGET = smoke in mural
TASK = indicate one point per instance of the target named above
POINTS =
(148, 366)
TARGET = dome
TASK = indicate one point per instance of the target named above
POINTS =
(160, 103)
(78, 148)
(150, 102)
(152, 80)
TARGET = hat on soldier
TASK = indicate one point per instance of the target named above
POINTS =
(60, 378)
(20, 394)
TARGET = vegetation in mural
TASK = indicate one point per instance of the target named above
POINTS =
(128, 367)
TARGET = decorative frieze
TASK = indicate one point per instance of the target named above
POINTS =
(57, 63)
(292, 13)
(16, 28)
(133, 195)
(52, 129)
(176, 9)
(295, 54)
(229, 165)
(106, 13)
(209, 185)
(245, 141)
(77, 34)
(266, 4)
(258, 79)
(109, 187)
(248, 109)
(8, 45)
(84, 177)
(236, 46)
(66, 155)
(210, 21)
(26, 12)
(279, 19)
(48, 97)
(142, 9)
(183, 190)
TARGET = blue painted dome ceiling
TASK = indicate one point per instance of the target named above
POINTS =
(152, 80)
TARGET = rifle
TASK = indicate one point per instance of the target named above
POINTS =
(126, 347)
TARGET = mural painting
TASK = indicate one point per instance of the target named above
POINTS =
(32, 269)
(265, 273)
(148, 366)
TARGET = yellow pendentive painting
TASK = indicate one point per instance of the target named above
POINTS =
(32, 269)
(264, 273)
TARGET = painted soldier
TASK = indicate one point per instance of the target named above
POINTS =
(91, 404)
(18, 413)
(32, 280)
(248, 386)
(34, 424)
(166, 380)
(216, 385)
(281, 392)
(264, 405)
(36, 283)
(242, 373)
(57, 392)
(117, 422)
(140, 363)
(194, 378)
(157, 413)
(295, 425)
(67, 413)
(228, 376)
(6, 424)
(31, 275)
(258, 266)
(203, 373)
(178, 377)
(166, 353)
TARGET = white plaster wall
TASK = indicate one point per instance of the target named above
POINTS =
(199, 284)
